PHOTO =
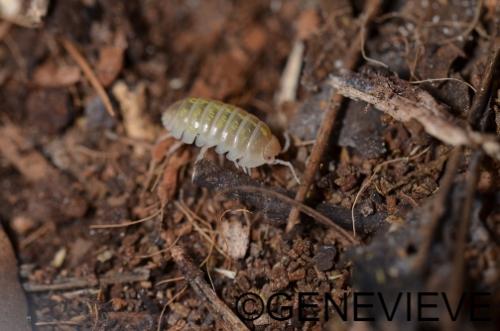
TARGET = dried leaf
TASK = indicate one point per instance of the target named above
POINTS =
(234, 238)
(161, 148)
(133, 104)
(168, 185)
(110, 64)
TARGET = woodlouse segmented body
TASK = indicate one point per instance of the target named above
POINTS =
(247, 140)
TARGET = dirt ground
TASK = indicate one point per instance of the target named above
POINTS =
(114, 226)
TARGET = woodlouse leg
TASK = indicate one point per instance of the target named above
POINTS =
(236, 164)
(202, 153)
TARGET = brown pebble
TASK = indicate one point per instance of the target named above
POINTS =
(325, 257)
(279, 277)
(297, 275)
(22, 224)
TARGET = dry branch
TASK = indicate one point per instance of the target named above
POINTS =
(350, 60)
(405, 102)
(274, 205)
(138, 275)
(205, 292)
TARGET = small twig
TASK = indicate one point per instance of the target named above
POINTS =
(56, 323)
(71, 284)
(170, 280)
(320, 218)
(375, 172)
(430, 80)
(167, 304)
(405, 103)
(125, 224)
(38, 233)
(208, 296)
(488, 84)
(477, 112)
(458, 274)
(351, 59)
(89, 73)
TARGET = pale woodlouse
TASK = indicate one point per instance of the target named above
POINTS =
(247, 140)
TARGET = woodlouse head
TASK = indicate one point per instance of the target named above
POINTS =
(272, 149)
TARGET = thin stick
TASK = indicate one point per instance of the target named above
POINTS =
(459, 273)
(170, 280)
(214, 304)
(488, 85)
(125, 224)
(320, 218)
(430, 80)
(351, 59)
(477, 112)
(55, 323)
(416, 104)
(167, 304)
(89, 73)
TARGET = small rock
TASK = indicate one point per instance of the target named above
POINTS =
(362, 129)
(59, 258)
(180, 309)
(105, 256)
(22, 224)
(325, 257)
(118, 304)
(97, 116)
(279, 277)
(297, 275)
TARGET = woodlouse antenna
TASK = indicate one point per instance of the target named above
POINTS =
(290, 166)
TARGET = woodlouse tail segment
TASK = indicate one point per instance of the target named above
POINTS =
(290, 166)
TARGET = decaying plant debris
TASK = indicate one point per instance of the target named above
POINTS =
(389, 111)
(405, 103)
